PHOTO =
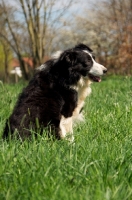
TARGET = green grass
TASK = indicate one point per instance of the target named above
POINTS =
(97, 167)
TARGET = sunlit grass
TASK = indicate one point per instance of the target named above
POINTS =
(97, 167)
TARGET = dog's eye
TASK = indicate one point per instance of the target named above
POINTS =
(89, 58)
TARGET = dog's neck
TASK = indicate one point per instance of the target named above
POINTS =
(82, 85)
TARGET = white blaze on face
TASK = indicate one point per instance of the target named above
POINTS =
(97, 69)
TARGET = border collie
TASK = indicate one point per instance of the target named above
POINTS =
(55, 95)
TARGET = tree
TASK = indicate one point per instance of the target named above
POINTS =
(5, 50)
(7, 55)
(11, 33)
(116, 17)
(32, 23)
(122, 20)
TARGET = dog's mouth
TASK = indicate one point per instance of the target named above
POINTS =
(94, 78)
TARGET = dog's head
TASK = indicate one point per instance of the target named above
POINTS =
(79, 62)
(95, 69)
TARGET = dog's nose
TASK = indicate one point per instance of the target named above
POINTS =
(104, 71)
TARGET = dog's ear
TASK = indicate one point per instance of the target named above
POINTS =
(69, 57)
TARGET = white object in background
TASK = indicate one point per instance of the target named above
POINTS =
(17, 71)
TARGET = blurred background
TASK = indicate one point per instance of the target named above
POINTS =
(32, 30)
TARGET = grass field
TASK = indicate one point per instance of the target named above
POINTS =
(97, 167)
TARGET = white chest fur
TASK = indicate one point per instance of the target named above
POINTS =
(84, 90)
(66, 124)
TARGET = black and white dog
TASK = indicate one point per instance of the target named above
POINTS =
(55, 96)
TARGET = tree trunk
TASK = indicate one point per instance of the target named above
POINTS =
(22, 66)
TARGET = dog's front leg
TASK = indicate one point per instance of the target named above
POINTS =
(66, 129)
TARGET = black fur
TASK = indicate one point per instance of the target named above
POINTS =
(49, 95)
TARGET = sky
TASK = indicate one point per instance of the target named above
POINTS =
(78, 7)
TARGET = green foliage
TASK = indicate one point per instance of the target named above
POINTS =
(97, 167)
